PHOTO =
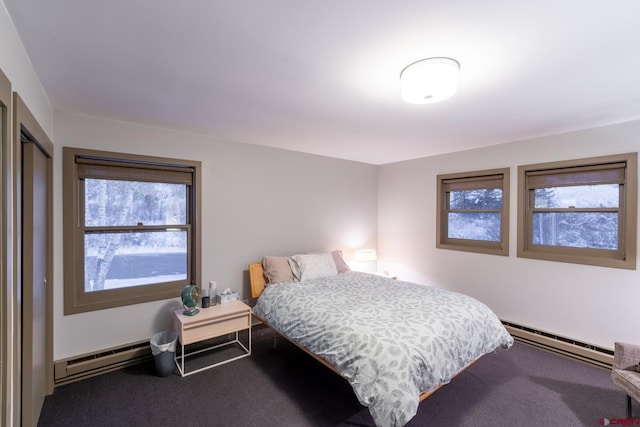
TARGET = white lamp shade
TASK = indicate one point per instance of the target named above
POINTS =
(366, 255)
(429, 80)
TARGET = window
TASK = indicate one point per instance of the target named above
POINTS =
(581, 211)
(130, 231)
(473, 211)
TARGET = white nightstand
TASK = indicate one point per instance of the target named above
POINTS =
(212, 322)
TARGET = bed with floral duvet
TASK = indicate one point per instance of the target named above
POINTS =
(393, 341)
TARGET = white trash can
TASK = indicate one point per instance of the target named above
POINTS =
(163, 348)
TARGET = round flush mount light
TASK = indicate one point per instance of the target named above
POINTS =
(429, 80)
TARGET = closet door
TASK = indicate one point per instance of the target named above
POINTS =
(33, 334)
(35, 174)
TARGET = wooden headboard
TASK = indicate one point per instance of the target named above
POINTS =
(256, 278)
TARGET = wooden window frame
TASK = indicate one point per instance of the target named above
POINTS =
(621, 169)
(82, 163)
(472, 180)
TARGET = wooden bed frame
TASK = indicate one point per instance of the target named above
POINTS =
(258, 283)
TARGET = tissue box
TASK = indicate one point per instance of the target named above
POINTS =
(223, 298)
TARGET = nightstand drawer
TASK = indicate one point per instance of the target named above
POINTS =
(199, 331)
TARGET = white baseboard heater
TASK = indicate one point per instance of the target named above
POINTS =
(590, 353)
(92, 364)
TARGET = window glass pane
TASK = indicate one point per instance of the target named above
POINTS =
(476, 199)
(581, 196)
(125, 203)
(474, 226)
(598, 230)
(117, 260)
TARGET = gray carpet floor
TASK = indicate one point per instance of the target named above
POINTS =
(524, 386)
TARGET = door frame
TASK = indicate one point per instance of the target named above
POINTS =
(24, 121)
(6, 253)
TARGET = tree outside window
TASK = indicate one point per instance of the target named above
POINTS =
(581, 211)
(130, 228)
(473, 211)
(145, 254)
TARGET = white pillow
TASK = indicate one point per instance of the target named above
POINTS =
(313, 266)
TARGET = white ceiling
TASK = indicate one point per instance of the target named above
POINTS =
(323, 77)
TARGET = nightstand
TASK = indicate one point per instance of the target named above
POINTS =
(212, 322)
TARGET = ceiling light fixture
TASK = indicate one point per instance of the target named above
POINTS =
(429, 80)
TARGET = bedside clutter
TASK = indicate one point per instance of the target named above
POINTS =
(210, 297)
(227, 296)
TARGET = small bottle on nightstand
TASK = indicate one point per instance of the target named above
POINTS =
(213, 293)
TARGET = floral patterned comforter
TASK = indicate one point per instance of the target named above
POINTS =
(391, 340)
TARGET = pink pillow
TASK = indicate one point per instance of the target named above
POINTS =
(277, 269)
(341, 265)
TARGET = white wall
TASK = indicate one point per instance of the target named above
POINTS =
(256, 201)
(16, 64)
(582, 302)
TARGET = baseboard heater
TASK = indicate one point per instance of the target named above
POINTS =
(92, 364)
(596, 355)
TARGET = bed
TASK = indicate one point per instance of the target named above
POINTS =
(395, 342)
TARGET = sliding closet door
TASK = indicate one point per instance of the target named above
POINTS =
(34, 281)
(33, 240)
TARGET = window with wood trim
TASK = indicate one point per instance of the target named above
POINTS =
(581, 211)
(473, 211)
(130, 228)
